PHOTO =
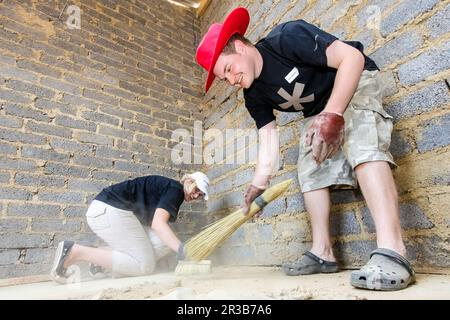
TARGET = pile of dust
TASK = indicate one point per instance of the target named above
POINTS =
(144, 291)
(296, 293)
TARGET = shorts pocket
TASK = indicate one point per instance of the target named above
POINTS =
(97, 218)
(373, 105)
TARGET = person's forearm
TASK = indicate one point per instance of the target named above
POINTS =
(165, 233)
(268, 156)
(345, 84)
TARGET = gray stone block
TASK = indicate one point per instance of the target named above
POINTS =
(435, 134)
(72, 146)
(23, 240)
(92, 162)
(346, 196)
(12, 72)
(295, 203)
(439, 23)
(86, 185)
(428, 251)
(287, 135)
(11, 122)
(354, 253)
(66, 121)
(39, 255)
(75, 212)
(397, 49)
(13, 225)
(33, 210)
(403, 13)
(100, 117)
(4, 176)
(344, 224)
(417, 102)
(8, 193)
(25, 112)
(400, 145)
(411, 217)
(22, 270)
(233, 199)
(61, 197)
(275, 208)
(284, 118)
(38, 180)
(15, 136)
(365, 17)
(39, 91)
(94, 139)
(45, 154)
(66, 170)
(290, 155)
(52, 225)
(9, 256)
(425, 65)
(8, 149)
(113, 176)
(388, 83)
(59, 85)
(45, 104)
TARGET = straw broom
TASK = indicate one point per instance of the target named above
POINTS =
(203, 244)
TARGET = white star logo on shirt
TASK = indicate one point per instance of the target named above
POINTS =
(296, 98)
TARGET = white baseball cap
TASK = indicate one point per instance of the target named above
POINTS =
(202, 182)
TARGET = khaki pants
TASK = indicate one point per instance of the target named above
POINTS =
(136, 248)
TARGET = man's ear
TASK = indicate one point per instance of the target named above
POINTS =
(239, 46)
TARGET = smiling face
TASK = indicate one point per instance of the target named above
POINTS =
(191, 191)
(238, 68)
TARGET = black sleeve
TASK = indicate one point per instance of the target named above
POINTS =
(303, 42)
(259, 111)
(261, 114)
(171, 201)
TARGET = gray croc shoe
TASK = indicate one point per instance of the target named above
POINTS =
(58, 272)
(385, 271)
(309, 263)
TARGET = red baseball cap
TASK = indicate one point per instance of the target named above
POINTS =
(213, 42)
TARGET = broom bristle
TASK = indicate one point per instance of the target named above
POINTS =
(203, 244)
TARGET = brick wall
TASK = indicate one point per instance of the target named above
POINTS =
(411, 44)
(83, 109)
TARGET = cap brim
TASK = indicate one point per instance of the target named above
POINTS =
(236, 22)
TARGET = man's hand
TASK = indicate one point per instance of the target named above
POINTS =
(326, 135)
(250, 194)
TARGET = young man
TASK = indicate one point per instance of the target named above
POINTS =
(132, 218)
(299, 68)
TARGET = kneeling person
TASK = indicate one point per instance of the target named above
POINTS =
(132, 218)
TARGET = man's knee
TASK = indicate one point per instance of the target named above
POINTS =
(131, 266)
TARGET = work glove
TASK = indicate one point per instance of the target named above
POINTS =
(181, 254)
(325, 134)
(250, 194)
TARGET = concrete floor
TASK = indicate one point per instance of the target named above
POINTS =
(226, 283)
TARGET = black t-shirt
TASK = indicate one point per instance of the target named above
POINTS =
(295, 76)
(144, 195)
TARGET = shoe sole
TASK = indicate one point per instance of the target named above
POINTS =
(53, 274)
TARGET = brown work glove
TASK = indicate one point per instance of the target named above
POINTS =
(250, 194)
(326, 135)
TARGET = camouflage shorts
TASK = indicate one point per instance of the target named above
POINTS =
(367, 138)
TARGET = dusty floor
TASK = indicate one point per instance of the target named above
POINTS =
(226, 283)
